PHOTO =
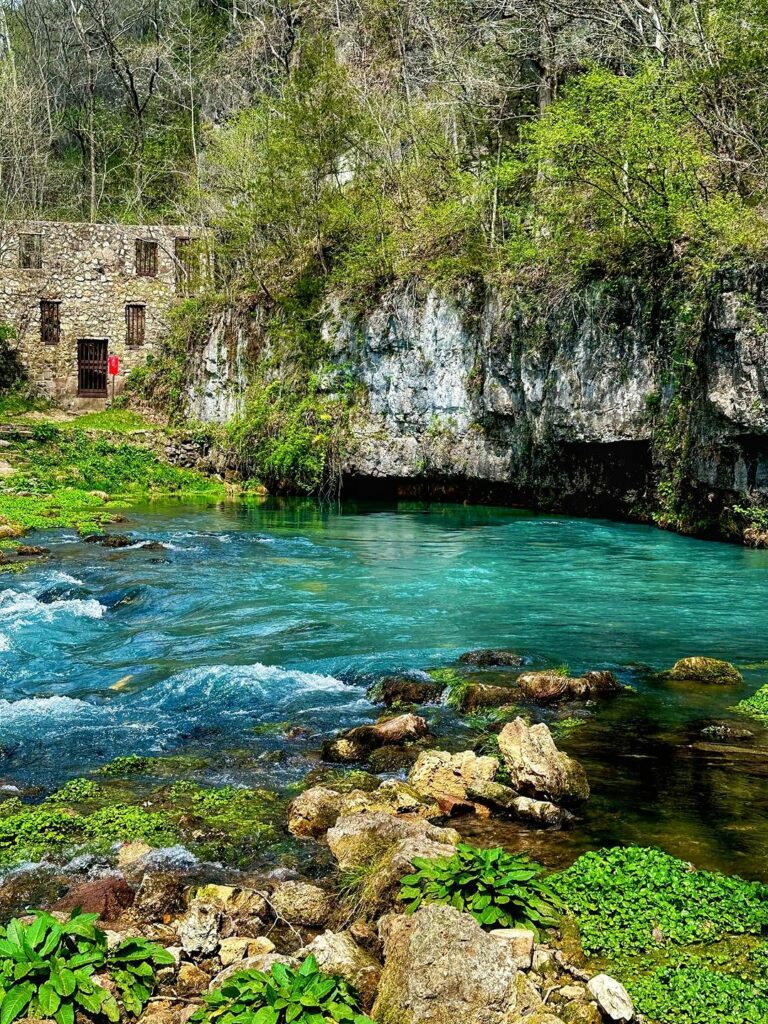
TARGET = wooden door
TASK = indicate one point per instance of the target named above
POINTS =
(92, 367)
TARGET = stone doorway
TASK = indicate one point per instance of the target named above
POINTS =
(92, 367)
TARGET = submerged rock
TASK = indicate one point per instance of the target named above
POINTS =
(537, 768)
(481, 695)
(364, 839)
(491, 657)
(442, 968)
(552, 686)
(357, 744)
(706, 670)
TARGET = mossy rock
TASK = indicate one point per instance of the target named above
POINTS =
(706, 670)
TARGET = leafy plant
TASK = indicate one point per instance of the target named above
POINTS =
(695, 995)
(282, 996)
(755, 706)
(629, 900)
(75, 791)
(129, 764)
(47, 969)
(499, 889)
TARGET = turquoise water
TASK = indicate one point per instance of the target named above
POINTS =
(285, 612)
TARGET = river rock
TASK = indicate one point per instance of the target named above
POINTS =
(264, 960)
(438, 773)
(547, 687)
(357, 744)
(706, 670)
(537, 768)
(442, 968)
(612, 998)
(314, 811)
(490, 657)
(396, 690)
(362, 840)
(160, 894)
(393, 797)
(108, 897)
(191, 979)
(380, 892)
(338, 953)
(302, 904)
(539, 812)
(239, 947)
(199, 929)
(481, 695)
(519, 943)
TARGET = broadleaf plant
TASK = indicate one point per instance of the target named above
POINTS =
(282, 996)
(48, 970)
(498, 889)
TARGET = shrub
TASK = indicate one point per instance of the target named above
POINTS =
(47, 970)
(497, 888)
(628, 900)
(282, 996)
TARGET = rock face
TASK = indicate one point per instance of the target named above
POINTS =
(706, 670)
(547, 687)
(362, 840)
(442, 968)
(537, 768)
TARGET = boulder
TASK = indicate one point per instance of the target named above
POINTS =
(191, 979)
(537, 768)
(199, 929)
(612, 998)
(547, 687)
(313, 812)
(490, 657)
(481, 695)
(302, 904)
(442, 968)
(108, 897)
(396, 690)
(338, 953)
(239, 947)
(538, 812)
(392, 797)
(361, 840)
(706, 670)
(218, 911)
(438, 773)
(357, 744)
(381, 890)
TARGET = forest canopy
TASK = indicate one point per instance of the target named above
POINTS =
(346, 144)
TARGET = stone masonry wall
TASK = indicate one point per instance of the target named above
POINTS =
(90, 269)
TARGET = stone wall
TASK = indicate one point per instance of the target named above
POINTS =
(90, 270)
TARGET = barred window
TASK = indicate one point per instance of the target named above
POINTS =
(31, 252)
(146, 257)
(50, 321)
(135, 322)
(187, 264)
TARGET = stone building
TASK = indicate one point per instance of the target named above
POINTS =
(76, 294)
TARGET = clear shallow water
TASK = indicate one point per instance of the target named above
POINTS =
(284, 612)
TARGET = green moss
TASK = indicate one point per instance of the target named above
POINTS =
(112, 824)
(755, 706)
(235, 823)
(76, 791)
(629, 900)
(130, 764)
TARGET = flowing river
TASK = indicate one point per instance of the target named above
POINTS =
(250, 615)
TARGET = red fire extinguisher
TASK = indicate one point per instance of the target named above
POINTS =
(113, 365)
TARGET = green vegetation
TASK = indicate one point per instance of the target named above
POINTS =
(695, 995)
(282, 996)
(755, 706)
(47, 970)
(235, 823)
(75, 791)
(631, 900)
(498, 889)
(129, 764)
(455, 683)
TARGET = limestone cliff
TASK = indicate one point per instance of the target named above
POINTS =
(604, 403)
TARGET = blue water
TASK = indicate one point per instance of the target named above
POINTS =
(285, 611)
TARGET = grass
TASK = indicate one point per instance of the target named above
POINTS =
(114, 421)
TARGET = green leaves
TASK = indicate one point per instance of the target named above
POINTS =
(498, 889)
(283, 996)
(629, 900)
(47, 970)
